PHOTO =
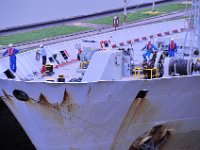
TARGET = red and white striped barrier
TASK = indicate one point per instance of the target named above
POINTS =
(136, 40)
(175, 31)
(151, 36)
(167, 33)
(159, 34)
(129, 42)
(144, 38)
(114, 46)
(121, 43)
(183, 29)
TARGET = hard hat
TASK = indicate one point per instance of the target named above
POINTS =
(41, 46)
(10, 45)
(172, 39)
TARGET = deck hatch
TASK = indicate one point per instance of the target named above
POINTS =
(141, 94)
(9, 74)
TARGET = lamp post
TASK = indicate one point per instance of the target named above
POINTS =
(125, 13)
(153, 6)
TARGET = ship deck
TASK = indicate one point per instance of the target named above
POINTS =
(28, 68)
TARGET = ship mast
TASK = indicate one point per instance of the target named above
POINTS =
(194, 25)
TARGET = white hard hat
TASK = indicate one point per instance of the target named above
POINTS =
(10, 45)
(172, 39)
(41, 46)
(148, 41)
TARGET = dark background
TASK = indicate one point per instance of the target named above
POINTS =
(12, 136)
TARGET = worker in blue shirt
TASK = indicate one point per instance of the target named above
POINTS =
(149, 47)
(12, 55)
(172, 48)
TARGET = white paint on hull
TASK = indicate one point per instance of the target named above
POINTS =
(95, 112)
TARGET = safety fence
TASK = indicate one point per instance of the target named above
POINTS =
(144, 38)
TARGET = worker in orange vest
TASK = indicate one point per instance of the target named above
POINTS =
(104, 44)
(12, 55)
(149, 47)
(172, 48)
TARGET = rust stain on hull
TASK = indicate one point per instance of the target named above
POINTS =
(68, 102)
(126, 121)
(139, 109)
(6, 95)
(8, 98)
(89, 92)
(42, 98)
(66, 96)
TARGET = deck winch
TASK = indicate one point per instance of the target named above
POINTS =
(154, 67)
(180, 67)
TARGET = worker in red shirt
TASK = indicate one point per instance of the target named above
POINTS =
(12, 55)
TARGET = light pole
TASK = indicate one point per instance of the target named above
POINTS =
(125, 13)
(153, 6)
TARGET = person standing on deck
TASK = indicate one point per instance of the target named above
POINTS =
(149, 47)
(43, 52)
(172, 48)
(12, 56)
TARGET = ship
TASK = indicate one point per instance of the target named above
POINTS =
(107, 100)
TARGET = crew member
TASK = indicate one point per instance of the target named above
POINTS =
(79, 54)
(43, 52)
(12, 55)
(149, 47)
(104, 44)
(172, 48)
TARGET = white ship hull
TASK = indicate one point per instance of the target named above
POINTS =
(105, 115)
